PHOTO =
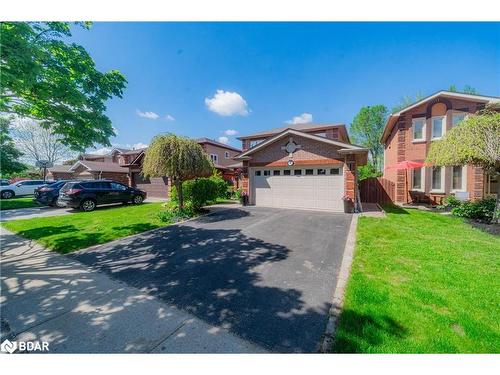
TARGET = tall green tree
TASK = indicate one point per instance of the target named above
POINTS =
(47, 78)
(475, 141)
(177, 157)
(467, 89)
(367, 128)
(406, 101)
(9, 154)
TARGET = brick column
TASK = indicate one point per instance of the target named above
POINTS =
(479, 181)
(401, 193)
(245, 185)
(350, 177)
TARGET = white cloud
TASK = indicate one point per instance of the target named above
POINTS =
(139, 145)
(148, 115)
(230, 132)
(224, 140)
(226, 103)
(101, 151)
(169, 117)
(304, 118)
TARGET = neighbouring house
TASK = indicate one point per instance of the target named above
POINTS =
(302, 166)
(408, 135)
(125, 166)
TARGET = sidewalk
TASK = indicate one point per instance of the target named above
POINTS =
(48, 297)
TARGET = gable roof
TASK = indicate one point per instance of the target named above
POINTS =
(59, 168)
(98, 166)
(344, 147)
(215, 143)
(443, 93)
(300, 127)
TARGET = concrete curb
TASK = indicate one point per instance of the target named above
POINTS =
(338, 295)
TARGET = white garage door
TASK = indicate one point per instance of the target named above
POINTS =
(317, 188)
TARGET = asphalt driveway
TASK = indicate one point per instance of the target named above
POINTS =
(267, 275)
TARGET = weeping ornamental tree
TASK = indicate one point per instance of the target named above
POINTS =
(475, 141)
(177, 157)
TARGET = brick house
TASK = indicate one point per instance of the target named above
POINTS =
(125, 166)
(303, 166)
(408, 135)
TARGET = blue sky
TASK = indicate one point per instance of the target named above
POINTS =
(269, 73)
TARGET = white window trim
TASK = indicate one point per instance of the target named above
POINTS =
(464, 180)
(443, 173)
(226, 154)
(416, 140)
(422, 180)
(214, 157)
(443, 127)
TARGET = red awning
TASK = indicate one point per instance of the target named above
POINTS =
(406, 164)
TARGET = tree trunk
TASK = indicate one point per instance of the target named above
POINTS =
(178, 186)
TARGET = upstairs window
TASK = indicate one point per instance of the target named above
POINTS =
(226, 154)
(438, 127)
(457, 118)
(214, 158)
(418, 126)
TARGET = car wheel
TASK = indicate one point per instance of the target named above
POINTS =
(138, 199)
(87, 205)
(7, 194)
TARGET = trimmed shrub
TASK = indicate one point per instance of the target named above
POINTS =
(197, 192)
(482, 210)
(223, 186)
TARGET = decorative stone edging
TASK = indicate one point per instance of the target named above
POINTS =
(338, 295)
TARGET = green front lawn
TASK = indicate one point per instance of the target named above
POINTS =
(11, 204)
(82, 229)
(421, 282)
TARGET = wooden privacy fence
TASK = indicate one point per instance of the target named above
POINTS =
(377, 190)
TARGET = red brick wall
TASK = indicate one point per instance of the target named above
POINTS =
(400, 146)
(350, 177)
(311, 152)
(119, 177)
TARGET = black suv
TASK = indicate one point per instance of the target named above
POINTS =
(48, 194)
(86, 195)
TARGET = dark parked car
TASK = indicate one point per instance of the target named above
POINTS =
(48, 194)
(86, 195)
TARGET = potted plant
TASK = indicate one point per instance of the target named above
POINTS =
(244, 198)
(348, 204)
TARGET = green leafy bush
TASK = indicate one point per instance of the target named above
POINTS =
(197, 192)
(450, 202)
(173, 214)
(367, 171)
(482, 210)
(223, 186)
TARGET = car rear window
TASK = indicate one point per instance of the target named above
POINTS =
(70, 185)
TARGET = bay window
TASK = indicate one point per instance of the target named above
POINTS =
(417, 179)
(438, 126)
(458, 178)
(457, 118)
(437, 179)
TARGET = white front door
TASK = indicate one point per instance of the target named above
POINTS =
(315, 187)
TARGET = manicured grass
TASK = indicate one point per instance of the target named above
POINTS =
(82, 229)
(11, 204)
(421, 282)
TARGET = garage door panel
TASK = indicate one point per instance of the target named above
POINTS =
(322, 192)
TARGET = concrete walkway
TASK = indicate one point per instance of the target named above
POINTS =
(49, 297)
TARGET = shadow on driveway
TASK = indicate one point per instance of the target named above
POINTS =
(215, 270)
